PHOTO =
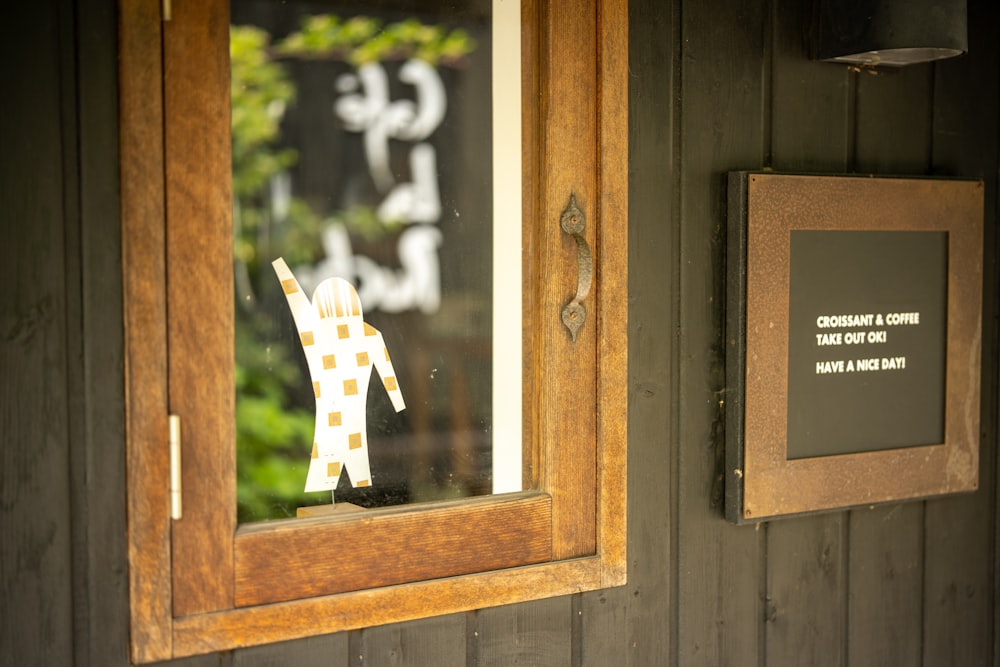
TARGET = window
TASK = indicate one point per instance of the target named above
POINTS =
(378, 145)
(203, 582)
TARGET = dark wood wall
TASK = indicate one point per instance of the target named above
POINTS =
(904, 584)
(715, 86)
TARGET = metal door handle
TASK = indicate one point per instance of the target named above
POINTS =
(573, 222)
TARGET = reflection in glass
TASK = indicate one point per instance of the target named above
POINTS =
(362, 150)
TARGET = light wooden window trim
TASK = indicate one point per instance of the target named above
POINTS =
(192, 581)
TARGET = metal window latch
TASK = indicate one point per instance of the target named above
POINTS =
(174, 440)
(573, 222)
(167, 9)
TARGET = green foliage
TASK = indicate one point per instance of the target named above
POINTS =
(273, 436)
(362, 221)
(260, 91)
(362, 39)
(274, 433)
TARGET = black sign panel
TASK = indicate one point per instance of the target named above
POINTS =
(867, 341)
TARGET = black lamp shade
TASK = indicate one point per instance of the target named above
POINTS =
(891, 32)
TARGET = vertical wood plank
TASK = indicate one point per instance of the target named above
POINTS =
(76, 415)
(806, 557)
(200, 299)
(629, 625)
(568, 68)
(719, 565)
(321, 651)
(35, 549)
(988, 30)
(100, 581)
(892, 117)
(960, 551)
(532, 633)
(811, 102)
(892, 120)
(805, 591)
(957, 622)
(144, 276)
(885, 586)
(611, 300)
(432, 641)
(608, 628)
(208, 660)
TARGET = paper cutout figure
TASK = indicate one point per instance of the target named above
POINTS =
(340, 349)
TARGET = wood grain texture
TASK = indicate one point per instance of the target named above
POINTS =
(97, 479)
(261, 624)
(536, 633)
(811, 117)
(200, 300)
(37, 182)
(632, 625)
(77, 418)
(719, 567)
(957, 610)
(144, 275)
(319, 651)
(565, 640)
(611, 320)
(892, 125)
(990, 420)
(430, 641)
(885, 587)
(391, 546)
(566, 417)
(804, 607)
(806, 557)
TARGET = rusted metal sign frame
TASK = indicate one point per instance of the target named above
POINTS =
(764, 208)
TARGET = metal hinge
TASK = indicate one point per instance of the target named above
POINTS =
(174, 439)
(165, 6)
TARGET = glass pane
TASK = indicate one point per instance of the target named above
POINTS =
(378, 325)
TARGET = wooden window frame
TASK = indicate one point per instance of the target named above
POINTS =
(203, 583)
